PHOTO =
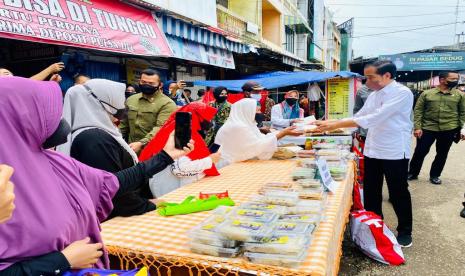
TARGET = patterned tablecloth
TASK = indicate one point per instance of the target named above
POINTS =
(161, 242)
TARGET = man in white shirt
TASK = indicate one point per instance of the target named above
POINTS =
(288, 112)
(387, 116)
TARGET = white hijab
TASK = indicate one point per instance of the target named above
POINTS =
(83, 111)
(239, 137)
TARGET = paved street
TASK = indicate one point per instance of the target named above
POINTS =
(439, 232)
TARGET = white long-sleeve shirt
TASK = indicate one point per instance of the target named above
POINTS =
(277, 118)
(182, 172)
(387, 116)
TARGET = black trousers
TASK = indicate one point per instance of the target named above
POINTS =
(395, 172)
(444, 140)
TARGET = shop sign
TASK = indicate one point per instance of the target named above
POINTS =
(427, 61)
(338, 98)
(95, 24)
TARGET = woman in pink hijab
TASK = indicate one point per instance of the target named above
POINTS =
(59, 201)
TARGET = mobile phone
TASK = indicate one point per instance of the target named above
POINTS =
(182, 131)
(189, 83)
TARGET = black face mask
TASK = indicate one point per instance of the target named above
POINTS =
(259, 118)
(59, 137)
(120, 114)
(206, 125)
(291, 101)
(452, 84)
(221, 99)
(147, 89)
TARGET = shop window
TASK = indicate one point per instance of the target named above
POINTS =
(290, 39)
(223, 3)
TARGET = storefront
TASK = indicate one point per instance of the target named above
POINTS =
(92, 38)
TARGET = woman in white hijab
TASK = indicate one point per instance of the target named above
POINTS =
(240, 139)
(92, 109)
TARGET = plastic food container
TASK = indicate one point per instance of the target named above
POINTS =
(293, 228)
(213, 250)
(304, 218)
(303, 173)
(306, 154)
(212, 239)
(307, 163)
(279, 244)
(328, 152)
(312, 193)
(254, 214)
(277, 209)
(306, 207)
(320, 146)
(281, 198)
(277, 259)
(309, 183)
(223, 210)
(245, 230)
(277, 185)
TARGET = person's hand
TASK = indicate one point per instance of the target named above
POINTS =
(290, 131)
(181, 84)
(82, 254)
(136, 146)
(215, 157)
(56, 78)
(462, 136)
(418, 133)
(7, 195)
(324, 126)
(157, 202)
(56, 67)
(175, 153)
(296, 121)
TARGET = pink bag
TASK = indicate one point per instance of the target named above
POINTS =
(374, 238)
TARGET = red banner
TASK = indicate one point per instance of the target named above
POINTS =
(96, 24)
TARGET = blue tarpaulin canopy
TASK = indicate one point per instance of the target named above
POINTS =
(278, 79)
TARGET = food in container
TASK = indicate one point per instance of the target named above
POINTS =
(320, 146)
(254, 214)
(277, 259)
(204, 249)
(328, 152)
(279, 244)
(306, 153)
(306, 207)
(304, 218)
(212, 238)
(281, 198)
(307, 163)
(309, 183)
(277, 209)
(245, 230)
(303, 173)
(293, 228)
(312, 193)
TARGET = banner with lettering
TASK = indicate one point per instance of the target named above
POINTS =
(95, 24)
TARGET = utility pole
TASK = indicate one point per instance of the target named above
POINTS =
(456, 22)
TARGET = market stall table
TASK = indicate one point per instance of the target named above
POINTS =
(300, 140)
(160, 243)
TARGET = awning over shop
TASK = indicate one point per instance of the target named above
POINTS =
(188, 50)
(101, 25)
(278, 79)
(184, 30)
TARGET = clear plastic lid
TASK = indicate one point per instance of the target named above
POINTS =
(312, 193)
(210, 224)
(304, 218)
(293, 228)
(277, 209)
(309, 183)
(279, 244)
(254, 214)
(245, 230)
(281, 198)
(303, 173)
(212, 238)
(325, 146)
(223, 210)
(204, 249)
(306, 207)
(288, 261)
(307, 163)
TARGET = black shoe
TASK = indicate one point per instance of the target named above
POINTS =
(404, 240)
(412, 177)
(435, 180)
(462, 214)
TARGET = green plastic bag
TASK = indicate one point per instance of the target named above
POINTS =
(193, 205)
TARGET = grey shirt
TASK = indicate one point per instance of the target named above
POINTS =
(360, 99)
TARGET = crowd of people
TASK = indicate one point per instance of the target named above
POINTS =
(107, 149)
